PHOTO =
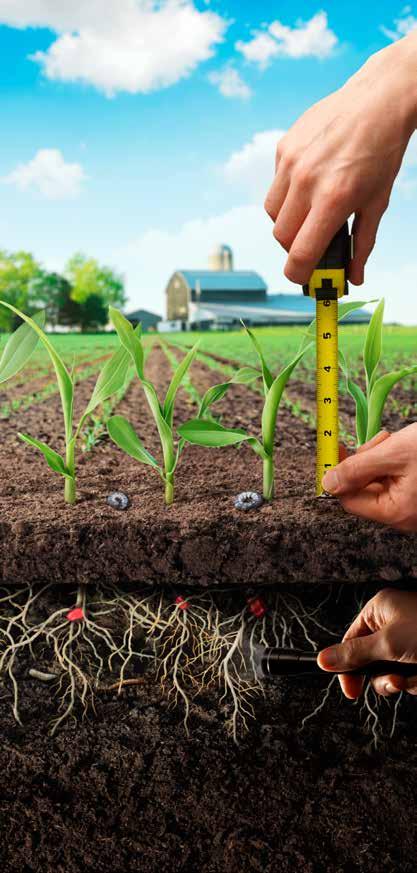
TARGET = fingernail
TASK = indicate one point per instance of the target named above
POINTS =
(330, 657)
(331, 481)
(390, 688)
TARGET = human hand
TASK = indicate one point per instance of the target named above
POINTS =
(384, 630)
(341, 158)
(379, 481)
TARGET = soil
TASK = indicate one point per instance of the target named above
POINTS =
(126, 788)
(129, 790)
(202, 539)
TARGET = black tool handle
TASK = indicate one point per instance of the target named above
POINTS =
(337, 255)
(292, 662)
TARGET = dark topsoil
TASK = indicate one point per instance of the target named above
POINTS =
(128, 790)
(201, 539)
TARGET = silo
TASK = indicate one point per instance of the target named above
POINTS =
(221, 259)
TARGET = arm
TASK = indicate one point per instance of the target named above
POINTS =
(380, 481)
(341, 158)
(386, 630)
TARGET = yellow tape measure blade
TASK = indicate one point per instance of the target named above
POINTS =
(327, 378)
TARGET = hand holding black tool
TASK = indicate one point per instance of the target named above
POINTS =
(272, 663)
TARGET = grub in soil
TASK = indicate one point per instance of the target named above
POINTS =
(201, 539)
(118, 500)
(248, 500)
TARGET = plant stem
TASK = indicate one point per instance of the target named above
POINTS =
(169, 489)
(268, 489)
(69, 488)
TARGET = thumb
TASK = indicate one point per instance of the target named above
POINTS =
(353, 654)
(359, 470)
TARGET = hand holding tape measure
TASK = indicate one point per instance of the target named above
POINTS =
(327, 284)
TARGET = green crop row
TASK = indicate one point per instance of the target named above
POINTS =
(20, 404)
(281, 343)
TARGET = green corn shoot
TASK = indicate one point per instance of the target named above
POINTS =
(371, 402)
(110, 380)
(121, 431)
(204, 432)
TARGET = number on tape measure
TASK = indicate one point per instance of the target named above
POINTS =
(327, 374)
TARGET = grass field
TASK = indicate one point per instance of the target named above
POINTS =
(280, 344)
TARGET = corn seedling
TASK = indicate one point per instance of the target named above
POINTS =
(121, 431)
(371, 402)
(204, 432)
(110, 380)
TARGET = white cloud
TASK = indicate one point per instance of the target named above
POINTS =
(130, 45)
(260, 50)
(149, 260)
(230, 83)
(251, 168)
(49, 175)
(403, 25)
(307, 39)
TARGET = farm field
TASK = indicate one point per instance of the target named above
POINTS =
(280, 344)
(216, 559)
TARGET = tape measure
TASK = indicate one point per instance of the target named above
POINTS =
(327, 284)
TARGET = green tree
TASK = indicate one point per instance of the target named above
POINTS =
(88, 277)
(93, 313)
(18, 271)
(52, 292)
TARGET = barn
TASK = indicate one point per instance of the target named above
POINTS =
(221, 297)
(148, 320)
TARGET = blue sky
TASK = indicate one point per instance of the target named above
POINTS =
(143, 133)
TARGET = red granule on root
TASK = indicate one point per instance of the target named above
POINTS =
(76, 614)
(257, 606)
(181, 602)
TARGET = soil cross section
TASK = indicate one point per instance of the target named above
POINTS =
(202, 539)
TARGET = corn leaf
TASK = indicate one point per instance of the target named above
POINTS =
(242, 377)
(379, 393)
(180, 372)
(373, 344)
(273, 399)
(131, 342)
(19, 347)
(129, 339)
(65, 383)
(361, 402)
(123, 434)
(54, 461)
(266, 373)
(212, 395)
(203, 432)
(112, 377)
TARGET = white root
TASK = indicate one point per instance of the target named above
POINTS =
(197, 642)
